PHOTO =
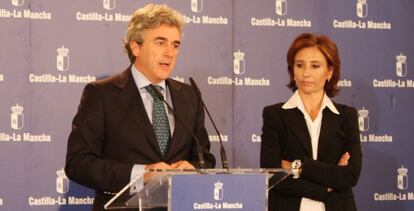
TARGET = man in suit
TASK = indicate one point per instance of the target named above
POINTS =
(121, 127)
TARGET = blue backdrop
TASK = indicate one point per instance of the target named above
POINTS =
(235, 50)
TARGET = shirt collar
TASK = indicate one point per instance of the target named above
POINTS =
(141, 81)
(296, 102)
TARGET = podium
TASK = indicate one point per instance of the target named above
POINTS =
(201, 189)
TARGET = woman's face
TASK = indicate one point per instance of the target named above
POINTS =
(311, 71)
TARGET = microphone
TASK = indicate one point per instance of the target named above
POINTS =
(199, 150)
(224, 161)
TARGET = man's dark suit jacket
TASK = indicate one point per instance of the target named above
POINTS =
(111, 132)
(285, 136)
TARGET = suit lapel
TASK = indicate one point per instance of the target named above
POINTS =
(180, 108)
(132, 103)
(296, 121)
(331, 122)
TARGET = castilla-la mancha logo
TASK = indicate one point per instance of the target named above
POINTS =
(402, 178)
(196, 5)
(362, 8)
(363, 119)
(239, 63)
(62, 181)
(17, 117)
(109, 4)
(401, 65)
(17, 3)
(62, 60)
(281, 7)
(218, 190)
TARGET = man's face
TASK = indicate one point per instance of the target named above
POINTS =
(156, 56)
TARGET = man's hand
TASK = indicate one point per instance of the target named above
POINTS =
(182, 164)
(159, 165)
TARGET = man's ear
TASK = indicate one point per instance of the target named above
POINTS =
(134, 48)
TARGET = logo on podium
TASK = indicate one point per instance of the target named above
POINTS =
(363, 119)
(246, 197)
(402, 178)
(17, 117)
(362, 8)
(109, 4)
(17, 3)
(281, 7)
(239, 63)
(196, 5)
(218, 190)
(401, 65)
(62, 60)
(62, 181)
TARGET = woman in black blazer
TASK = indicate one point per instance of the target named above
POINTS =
(314, 137)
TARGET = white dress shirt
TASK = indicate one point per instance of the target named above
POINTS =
(141, 81)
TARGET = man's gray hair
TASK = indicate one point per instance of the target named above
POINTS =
(149, 17)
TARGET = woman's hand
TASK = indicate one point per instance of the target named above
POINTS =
(286, 164)
(344, 159)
